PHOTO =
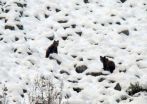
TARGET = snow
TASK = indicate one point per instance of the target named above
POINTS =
(90, 30)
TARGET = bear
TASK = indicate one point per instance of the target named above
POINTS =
(53, 48)
(108, 65)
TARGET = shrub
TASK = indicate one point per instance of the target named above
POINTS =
(3, 96)
(45, 92)
(135, 88)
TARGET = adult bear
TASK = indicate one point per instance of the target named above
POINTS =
(53, 48)
(108, 65)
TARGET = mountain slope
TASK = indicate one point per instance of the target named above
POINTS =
(85, 32)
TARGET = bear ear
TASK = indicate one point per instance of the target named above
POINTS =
(57, 41)
(101, 58)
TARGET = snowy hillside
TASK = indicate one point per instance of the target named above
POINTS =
(86, 31)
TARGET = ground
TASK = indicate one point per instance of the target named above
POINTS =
(85, 32)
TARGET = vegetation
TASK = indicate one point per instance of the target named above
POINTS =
(135, 88)
(45, 92)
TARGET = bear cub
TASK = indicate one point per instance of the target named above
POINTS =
(108, 65)
(52, 48)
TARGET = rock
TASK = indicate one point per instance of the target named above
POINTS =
(112, 15)
(24, 91)
(123, 1)
(89, 59)
(101, 101)
(137, 76)
(79, 33)
(58, 62)
(135, 29)
(101, 79)
(130, 100)
(62, 21)
(95, 73)
(16, 38)
(117, 100)
(19, 4)
(2, 18)
(25, 5)
(64, 72)
(111, 81)
(126, 32)
(124, 97)
(123, 48)
(29, 53)
(51, 37)
(123, 18)
(124, 71)
(21, 13)
(1, 39)
(72, 81)
(107, 87)
(118, 23)
(86, 1)
(47, 7)
(58, 10)
(110, 23)
(22, 95)
(81, 69)
(64, 37)
(139, 60)
(80, 59)
(74, 56)
(103, 24)
(7, 10)
(73, 25)
(66, 27)
(66, 14)
(77, 89)
(117, 87)
(46, 16)
(9, 27)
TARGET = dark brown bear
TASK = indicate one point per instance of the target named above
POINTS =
(52, 48)
(107, 64)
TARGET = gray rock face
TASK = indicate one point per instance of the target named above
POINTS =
(81, 69)
(126, 32)
(117, 87)
(123, 1)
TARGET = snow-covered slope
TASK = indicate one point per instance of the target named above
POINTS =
(85, 32)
